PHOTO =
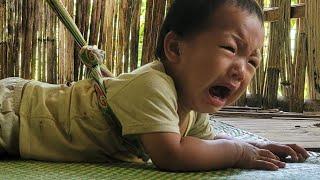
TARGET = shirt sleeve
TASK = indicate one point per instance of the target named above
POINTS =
(147, 104)
(202, 128)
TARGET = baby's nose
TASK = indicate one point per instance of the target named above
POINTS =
(237, 71)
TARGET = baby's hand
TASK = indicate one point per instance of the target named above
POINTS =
(252, 157)
(297, 153)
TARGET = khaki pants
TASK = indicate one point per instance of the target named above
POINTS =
(10, 97)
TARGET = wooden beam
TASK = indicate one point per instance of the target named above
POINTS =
(272, 14)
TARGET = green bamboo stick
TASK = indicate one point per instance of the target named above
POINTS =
(67, 20)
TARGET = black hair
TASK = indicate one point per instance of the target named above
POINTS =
(186, 17)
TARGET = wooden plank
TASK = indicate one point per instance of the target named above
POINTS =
(305, 133)
(273, 13)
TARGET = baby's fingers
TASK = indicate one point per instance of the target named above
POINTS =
(267, 153)
(265, 165)
(299, 150)
(278, 163)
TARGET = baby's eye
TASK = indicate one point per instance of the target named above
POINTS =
(254, 63)
(229, 48)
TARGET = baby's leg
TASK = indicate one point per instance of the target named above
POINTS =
(10, 96)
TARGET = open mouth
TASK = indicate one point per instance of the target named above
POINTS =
(220, 92)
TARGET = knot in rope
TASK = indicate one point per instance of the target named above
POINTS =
(92, 56)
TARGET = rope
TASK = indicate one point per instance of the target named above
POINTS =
(91, 56)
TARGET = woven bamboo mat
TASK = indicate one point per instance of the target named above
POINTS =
(21, 169)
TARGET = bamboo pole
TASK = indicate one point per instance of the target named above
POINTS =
(17, 43)
(27, 26)
(51, 48)
(107, 39)
(69, 47)
(95, 22)
(277, 56)
(154, 18)
(40, 39)
(10, 38)
(2, 41)
(297, 99)
(147, 32)
(125, 15)
(120, 40)
(313, 33)
(5, 43)
(35, 43)
(257, 83)
(78, 22)
(135, 29)
(85, 29)
(62, 54)
(45, 45)
(129, 16)
(114, 44)
(102, 36)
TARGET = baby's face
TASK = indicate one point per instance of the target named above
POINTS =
(215, 66)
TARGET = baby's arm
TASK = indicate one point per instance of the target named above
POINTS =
(170, 151)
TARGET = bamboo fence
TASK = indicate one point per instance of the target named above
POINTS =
(34, 44)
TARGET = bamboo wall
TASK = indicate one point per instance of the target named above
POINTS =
(35, 45)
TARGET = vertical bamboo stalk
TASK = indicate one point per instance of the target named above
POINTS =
(120, 42)
(35, 39)
(10, 38)
(147, 32)
(51, 46)
(2, 41)
(135, 29)
(124, 33)
(79, 17)
(69, 44)
(95, 21)
(286, 57)
(154, 18)
(28, 21)
(297, 99)
(114, 44)
(86, 6)
(277, 56)
(41, 40)
(127, 29)
(257, 82)
(107, 35)
(313, 32)
(45, 44)
(62, 51)
(102, 36)
(17, 43)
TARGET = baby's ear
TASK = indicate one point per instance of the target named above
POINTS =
(172, 47)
